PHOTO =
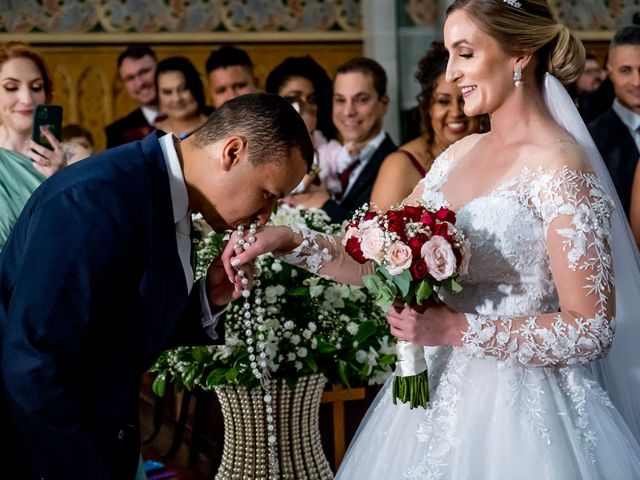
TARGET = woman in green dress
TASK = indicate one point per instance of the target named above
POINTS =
(25, 81)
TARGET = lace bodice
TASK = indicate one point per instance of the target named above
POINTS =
(539, 288)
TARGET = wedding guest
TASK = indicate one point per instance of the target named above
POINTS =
(443, 122)
(533, 366)
(96, 281)
(180, 95)
(615, 132)
(305, 84)
(592, 76)
(136, 67)
(360, 103)
(25, 82)
(77, 142)
(230, 73)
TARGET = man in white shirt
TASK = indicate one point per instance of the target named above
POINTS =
(616, 132)
(359, 104)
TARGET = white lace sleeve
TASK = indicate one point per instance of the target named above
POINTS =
(575, 213)
(325, 256)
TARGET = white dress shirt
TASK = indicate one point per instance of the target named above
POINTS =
(630, 119)
(182, 220)
(150, 114)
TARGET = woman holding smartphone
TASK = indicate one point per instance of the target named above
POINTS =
(24, 83)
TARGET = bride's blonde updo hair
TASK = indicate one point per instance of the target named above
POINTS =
(521, 26)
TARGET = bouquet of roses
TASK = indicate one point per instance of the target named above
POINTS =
(417, 251)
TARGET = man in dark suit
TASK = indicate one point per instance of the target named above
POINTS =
(137, 68)
(616, 131)
(95, 281)
(359, 104)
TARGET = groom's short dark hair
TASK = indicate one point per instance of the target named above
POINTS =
(270, 124)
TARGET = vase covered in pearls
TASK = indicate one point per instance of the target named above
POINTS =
(281, 441)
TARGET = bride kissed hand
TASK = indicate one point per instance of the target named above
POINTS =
(437, 325)
(267, 239)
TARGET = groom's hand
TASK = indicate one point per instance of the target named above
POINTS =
(220, 290)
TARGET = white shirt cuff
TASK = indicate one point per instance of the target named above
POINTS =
(209, 319)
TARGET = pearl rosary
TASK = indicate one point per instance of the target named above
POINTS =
(257, 354)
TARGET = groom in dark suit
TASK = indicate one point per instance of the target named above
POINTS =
(95, 281)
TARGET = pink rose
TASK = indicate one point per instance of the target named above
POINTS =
(399, 257)
(352, 232)
(438, 254)
(372, 243)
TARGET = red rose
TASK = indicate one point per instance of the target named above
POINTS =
(353, 248)
(446, 215)
(370, 216)
(396, 223)
(412, 213)
(417, 242)
(426, 219)
(442, 229)
(419, 269)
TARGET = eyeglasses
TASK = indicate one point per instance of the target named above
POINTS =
(303, 105)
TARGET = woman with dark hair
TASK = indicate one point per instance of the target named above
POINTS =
(180, 96)
(306, 85)
(443, 123)
(25, 81)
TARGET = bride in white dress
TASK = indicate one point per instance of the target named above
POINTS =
(514, 391)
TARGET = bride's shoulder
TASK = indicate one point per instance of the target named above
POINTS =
(461, 147)
(559, 155)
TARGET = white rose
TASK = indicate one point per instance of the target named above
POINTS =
(372, 243)
(399, 257)
(438, 255)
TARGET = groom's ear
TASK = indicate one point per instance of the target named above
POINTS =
(233, 150)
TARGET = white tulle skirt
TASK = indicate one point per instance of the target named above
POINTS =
(491, 421)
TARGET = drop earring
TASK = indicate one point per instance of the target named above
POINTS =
(517, 76)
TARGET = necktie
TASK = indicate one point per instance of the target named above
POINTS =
(344, 177)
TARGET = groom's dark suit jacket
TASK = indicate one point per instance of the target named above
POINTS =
(91, 292)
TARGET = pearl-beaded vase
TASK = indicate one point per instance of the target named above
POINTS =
(294, 427)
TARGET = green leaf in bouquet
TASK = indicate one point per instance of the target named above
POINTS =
(365, 330)
(384, 293)
(403, 282)
(455, 286)
(298, 292)
(159, 385)
(423, 292)
(200, 354)
(326, 347)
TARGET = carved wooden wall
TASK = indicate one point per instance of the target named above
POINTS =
(87, 84)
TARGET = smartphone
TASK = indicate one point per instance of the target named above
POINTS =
(49, 116)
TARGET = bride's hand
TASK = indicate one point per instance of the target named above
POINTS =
(267, 239)
(437, 325)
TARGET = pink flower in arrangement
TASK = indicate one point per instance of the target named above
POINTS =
(439, 257)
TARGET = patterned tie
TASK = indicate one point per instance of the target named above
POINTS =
(344, 177)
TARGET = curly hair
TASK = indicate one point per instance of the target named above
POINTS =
(431, 66)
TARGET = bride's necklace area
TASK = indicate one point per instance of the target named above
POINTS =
(253, 317)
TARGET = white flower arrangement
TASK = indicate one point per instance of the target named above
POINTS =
(313, 325)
